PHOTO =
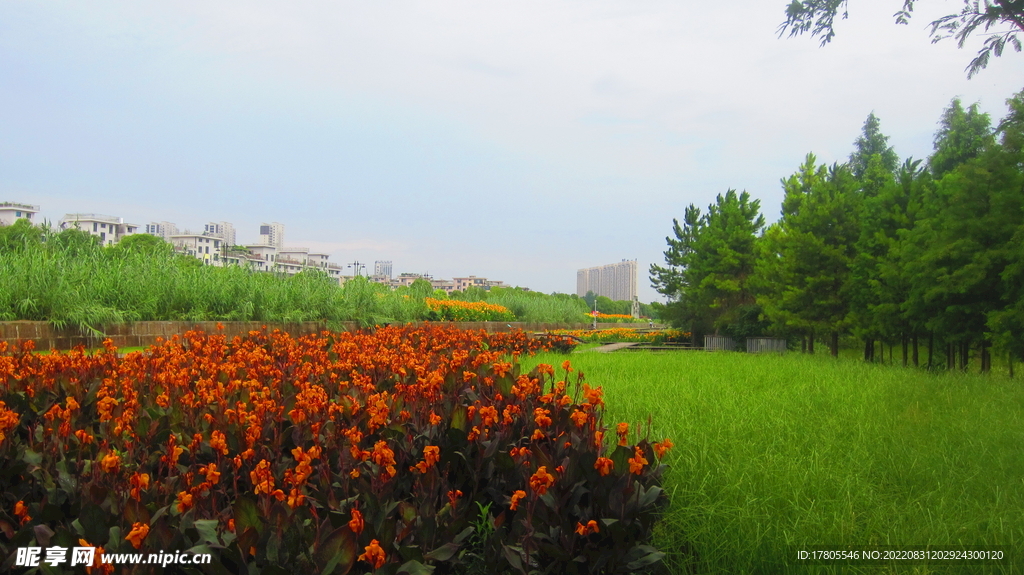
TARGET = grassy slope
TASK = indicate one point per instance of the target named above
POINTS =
(780, 450)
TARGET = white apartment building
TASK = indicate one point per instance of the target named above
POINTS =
(108, 229)
(11, 212)
(162, 230)
(272, 234)
(203, 247)
(297, 256)
(460, 284)
(614, 281)
(382, 269)
(265, 252)
(222, 230)
(446, 285)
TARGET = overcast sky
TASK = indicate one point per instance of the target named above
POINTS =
(517, 140)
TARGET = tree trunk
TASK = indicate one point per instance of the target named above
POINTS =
(950, 365)
(965, 349)
(915, 351)
(905, 343)
(890, 353)
(986, 360)
(834, 347)
(810, 343)
(1009, 357)
(867, 348)
(803, 344)
(931, 348)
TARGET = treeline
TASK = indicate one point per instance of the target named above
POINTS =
(912, 253)
(68, 279)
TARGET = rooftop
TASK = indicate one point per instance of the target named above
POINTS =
(28, 207)
(92, 218)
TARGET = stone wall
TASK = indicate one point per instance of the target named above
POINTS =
(144, 333)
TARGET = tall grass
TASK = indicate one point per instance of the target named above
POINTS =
(68, 280)
(778, 451)
(532, 306)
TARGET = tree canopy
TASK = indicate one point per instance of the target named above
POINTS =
(999, 20)
(871, 249)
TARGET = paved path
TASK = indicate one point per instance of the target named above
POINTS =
(614, 346)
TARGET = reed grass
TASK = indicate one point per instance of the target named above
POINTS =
(66, 279)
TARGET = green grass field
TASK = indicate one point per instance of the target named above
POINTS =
(774, 452)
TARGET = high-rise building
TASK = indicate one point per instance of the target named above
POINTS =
(272, 234)
(614, 281)
(162, 230)
(382, 269)
(222, 230)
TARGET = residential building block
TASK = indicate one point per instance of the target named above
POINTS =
(614, 281)
(162, 230)
(108, 229)
(11, 212)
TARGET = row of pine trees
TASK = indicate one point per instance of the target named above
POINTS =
(924, 255)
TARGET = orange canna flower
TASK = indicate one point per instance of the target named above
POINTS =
(111, 463)
(138, 533)
(566, 365)
(593, 396)
(661, 448)
(373, 554)
(218, 442)
(453, 497)
(637, 462)
(84, 437)
(383, 456)
(184, 503)
(21, 512)
(500, 369)
(516, 497)
(604, 465)
(541, 480)
(261, 477)
(295, 498)
(211, 473)
(431, 454)
(540, 415)
(356, 524)
(434, 418)
(97, 562)
(622, 430)
(488, 415)
(138, 481)
(590, 527)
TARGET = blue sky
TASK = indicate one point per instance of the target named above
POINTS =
(514, 140)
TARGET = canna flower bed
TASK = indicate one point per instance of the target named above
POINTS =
(614, 318)
(455, 310)
(399, 451)
(619, 334)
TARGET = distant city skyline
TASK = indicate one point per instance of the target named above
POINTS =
(515, 140)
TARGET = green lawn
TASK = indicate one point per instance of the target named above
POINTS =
(776, 451)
